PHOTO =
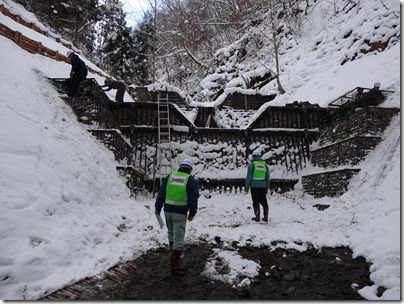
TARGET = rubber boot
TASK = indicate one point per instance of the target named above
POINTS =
(265, 218)
(176, 267)
(257, 215)
(266, 211)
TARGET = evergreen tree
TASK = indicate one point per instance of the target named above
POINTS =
(117, 47)
(74, 20)
(142, 36)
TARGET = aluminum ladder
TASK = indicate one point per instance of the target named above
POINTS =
(164, 163)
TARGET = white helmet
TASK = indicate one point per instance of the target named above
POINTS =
(69, 52)
(257, 152)
(187, 162)
(377, 84)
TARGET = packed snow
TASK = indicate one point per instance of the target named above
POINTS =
(65, 213)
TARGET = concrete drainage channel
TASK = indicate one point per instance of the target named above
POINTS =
(285, 274)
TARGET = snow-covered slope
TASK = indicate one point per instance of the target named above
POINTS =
(65, 213)
(326, 57)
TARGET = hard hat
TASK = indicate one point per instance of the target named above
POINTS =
(257, 152)
(377, 84)
(69, 53)
(187, 162)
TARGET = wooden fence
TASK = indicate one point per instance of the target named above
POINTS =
(245, 101)
(17, 18)
(35, 47)
(292, 117)
(143, 113)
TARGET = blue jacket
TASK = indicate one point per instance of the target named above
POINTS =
(193, 196)
(250, 183)
(376, 92)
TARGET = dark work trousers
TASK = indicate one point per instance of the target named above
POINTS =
(73, 85)
(259, 197)
(120, 92)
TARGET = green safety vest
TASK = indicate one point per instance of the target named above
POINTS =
(260, 169)
(176, 191)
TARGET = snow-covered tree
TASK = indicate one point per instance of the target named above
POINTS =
(73, 19)
(142, 48)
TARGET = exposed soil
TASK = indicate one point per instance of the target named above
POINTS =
(326, 274)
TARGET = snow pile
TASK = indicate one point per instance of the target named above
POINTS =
(229, 267)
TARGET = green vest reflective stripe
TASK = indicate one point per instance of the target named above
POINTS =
(260, 169)
(176, 191)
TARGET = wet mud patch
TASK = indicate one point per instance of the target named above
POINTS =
(285, 274)
(315, 274)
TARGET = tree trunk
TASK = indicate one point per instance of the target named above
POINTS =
(276, 47)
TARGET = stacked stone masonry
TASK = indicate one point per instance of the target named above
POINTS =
(358, 122)
(348, 152)
(113, 140)
(345, 142)
(331, 183)
(285, 134)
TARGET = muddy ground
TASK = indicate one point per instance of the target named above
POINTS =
(326, 274)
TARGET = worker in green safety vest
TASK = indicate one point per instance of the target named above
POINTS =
(179, 195)
(258, 181)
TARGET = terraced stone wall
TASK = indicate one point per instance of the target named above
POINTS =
(357, 122)
(330, 183)
(223, 149)
(350, 151)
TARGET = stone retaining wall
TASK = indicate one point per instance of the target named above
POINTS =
(330, 183)
(347, 152)
(359, 122)
(114, 141)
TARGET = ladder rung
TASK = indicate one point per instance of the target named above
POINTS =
(163, 116)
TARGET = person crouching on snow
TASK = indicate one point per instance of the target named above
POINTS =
(120, 86)
(78, 73)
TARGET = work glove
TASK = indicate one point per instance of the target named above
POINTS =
(190, 218)
(157, 212)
